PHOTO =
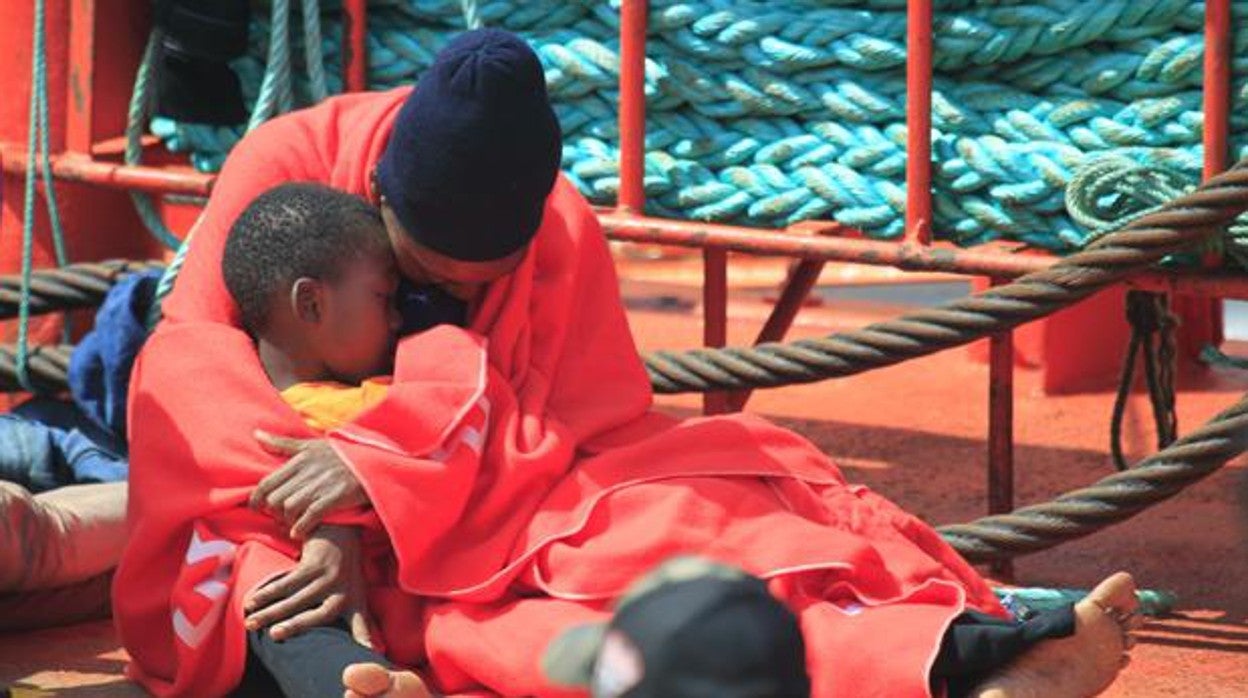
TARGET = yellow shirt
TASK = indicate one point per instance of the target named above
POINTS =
(326, 405)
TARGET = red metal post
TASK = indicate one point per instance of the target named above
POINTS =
(80, 132)
(1202, 319)
(632, 197)
(1001, 433)
(103, 55)
(715, 316)
(354, 45)
(1217, 85)
(919, 121)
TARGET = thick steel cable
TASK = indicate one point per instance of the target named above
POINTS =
(1110, 500)
(71, 287)
(47, 368)
(1179, 225)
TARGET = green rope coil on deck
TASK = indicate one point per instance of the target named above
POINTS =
(1110, 191)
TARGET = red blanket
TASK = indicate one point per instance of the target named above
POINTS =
(518, 477)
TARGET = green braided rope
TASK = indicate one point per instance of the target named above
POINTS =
(472, 14)
(165, 286)
(276, 95)
(37, 133)
(1214, 356)
(140, 102)
(1110, 191)
(314, 58)
(275, 89)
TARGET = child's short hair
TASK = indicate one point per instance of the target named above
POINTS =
(291, 231)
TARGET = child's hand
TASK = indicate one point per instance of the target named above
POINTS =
(312, 484)
(327, 584)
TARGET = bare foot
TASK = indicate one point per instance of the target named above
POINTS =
(376, 681)
(1084, 664)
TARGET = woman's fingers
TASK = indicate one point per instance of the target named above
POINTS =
(279, 588)
(311, 517)
(278, 612)
(324, 613)
(289, 499)
(272, 481)
(280, 445)
(361, 630)
(277, 485)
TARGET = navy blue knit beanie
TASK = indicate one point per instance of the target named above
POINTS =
(475, 149)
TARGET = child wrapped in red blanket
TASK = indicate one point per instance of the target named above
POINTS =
(314, 279)
(513, 480)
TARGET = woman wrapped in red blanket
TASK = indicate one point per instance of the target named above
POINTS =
(512, 480)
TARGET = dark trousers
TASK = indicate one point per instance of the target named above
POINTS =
(307, 666)
(977, 645)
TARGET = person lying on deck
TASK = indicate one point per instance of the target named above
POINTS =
(514, 479)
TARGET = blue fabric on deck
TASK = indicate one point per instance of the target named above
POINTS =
(46, 442)
(99, 370)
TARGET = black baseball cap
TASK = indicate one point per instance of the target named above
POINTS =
(690, 629)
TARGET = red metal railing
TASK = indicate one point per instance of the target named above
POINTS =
(812, 243)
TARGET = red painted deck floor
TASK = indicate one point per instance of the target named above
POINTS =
(915, 432)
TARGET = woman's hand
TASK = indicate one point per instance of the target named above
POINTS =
(326, 585)
(313, 483)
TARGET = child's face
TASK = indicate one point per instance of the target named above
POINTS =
(357, 332)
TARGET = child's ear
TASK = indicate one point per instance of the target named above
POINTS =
(307, 299)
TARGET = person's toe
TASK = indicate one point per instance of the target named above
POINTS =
(366, 679)
(408, 685)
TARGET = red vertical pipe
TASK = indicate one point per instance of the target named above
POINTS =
(355, 45)
(1217, 84)
(1001, 432)
(919, 121)
(80, 131)
(1217, 92)
(1200, 319)
(632, 197)
(715, 316)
